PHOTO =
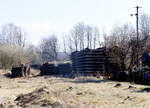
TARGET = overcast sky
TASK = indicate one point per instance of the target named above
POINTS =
(43, 17)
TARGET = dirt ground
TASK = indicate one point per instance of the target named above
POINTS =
(83, 92)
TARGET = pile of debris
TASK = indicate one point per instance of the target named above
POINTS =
(16, 72)
(20, 71)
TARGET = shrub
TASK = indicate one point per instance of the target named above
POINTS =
(11, 55)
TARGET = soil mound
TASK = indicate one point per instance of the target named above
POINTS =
(39, 98)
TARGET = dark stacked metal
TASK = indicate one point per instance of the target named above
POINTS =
(16, 72)
(64, 69)
(74, 61)
(61, 69)
(89, 62)
(47, 69)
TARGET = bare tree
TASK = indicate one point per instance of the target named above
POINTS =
(145, 32)
(33, 55)
(118, 45)
(145, 24)
(89, 36)
(77, 36)
(122, 43)
(97, 39)
(82, 36)
(49, 48)
(67, 44)
(12, 34)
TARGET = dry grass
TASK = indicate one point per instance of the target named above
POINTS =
(80, 92)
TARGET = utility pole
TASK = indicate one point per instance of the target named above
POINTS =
(137, 32)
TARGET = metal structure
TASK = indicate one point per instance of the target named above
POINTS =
(62, 69)
(92, 62)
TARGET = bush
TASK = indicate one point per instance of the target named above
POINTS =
(11, 55)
